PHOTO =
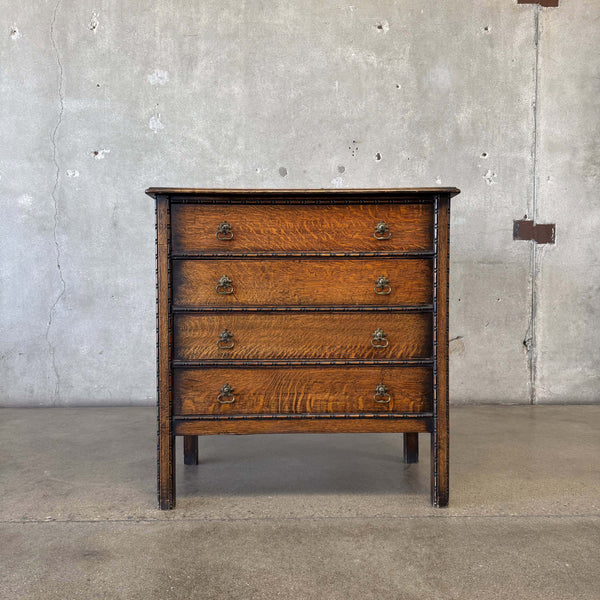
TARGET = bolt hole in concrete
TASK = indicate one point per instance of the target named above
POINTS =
(94, 22)
(378, 156)
(382, 26)
(100, 154)
(484, 155)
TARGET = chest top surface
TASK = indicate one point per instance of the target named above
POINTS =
(306, 194)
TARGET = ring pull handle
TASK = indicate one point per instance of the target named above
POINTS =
(381, 394)
(382, 286)
(226, 392)
(225, 341)
(379, 339)
(224, 231)
(382, 231)
(225, 285)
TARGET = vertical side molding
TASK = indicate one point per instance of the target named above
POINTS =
(439, 436)
(165, 437)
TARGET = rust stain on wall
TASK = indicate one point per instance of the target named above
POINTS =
(540, 233)
(540, 2)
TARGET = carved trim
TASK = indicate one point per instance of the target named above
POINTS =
(285, 200)
(158, 391)
(261, 255)
(164, 367)
(241, 363)
(362, 308)
(434, 461)
(435, 446)
(267, 417)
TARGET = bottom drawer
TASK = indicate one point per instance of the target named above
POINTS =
(228, 391)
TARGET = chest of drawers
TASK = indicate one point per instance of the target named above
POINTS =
(302, 311)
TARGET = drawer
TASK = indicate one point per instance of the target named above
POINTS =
(321, 335)
(302, 282)
(301, 390)
(297, 228)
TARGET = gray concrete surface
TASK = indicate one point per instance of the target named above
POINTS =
(301, 516)
(568, 275)
(102, 99)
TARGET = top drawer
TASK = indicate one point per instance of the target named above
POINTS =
(301, 228)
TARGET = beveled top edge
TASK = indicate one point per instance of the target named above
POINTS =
(157, 191)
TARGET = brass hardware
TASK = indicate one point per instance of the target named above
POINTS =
(226, 392)
(382, 286)
(225, 341)
(224, 232)
(381, 392)
(379, 339)
(225, 285)
(381, 229)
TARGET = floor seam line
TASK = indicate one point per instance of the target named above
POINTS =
(333, 518)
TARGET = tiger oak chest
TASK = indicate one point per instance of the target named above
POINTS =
(302, 311)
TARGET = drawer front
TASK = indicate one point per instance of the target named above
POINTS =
(297, 228)
(301, 390)
(368, 335)
(302, 282)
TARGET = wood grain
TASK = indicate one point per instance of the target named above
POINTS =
(301, 390)
(303, 282)
(440, 434)
(334, 425)
(281, 228)
(302, 335)
(165, 437)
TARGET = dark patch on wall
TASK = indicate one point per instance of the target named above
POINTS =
(540, 233)
(540, 2)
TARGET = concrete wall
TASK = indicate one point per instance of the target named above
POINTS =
(102, 98)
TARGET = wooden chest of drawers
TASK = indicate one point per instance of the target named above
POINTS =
(302, 311)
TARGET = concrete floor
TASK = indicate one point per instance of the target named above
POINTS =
(301, 516)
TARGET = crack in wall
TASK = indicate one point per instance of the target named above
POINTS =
(531, 337)
(51, 347)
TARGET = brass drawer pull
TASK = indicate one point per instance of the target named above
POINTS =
(382, 286)
(381, 394)
(382, 231)
(226, 392)
(225, 341)
(225, 285)
(379, 339)
(224, 232)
